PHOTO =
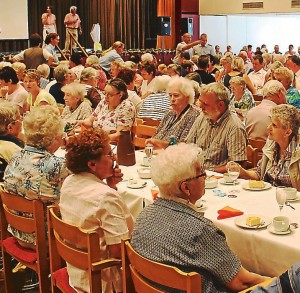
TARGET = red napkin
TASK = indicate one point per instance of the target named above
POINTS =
(228, 212)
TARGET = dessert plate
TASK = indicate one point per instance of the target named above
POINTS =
(137, 184)
(245, 185)
(241, 221)
(222, 181)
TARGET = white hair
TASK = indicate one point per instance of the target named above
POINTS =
(272, 87)
(147, 57)
(73, 7)
(185, 87)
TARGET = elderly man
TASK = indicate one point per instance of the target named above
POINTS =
(258, 76)
(34, 56)
(73, 25)
(185, 46)
(203, 48)
(258, 118)
(293, 63)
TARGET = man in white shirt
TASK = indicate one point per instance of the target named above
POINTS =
(202, 47)
(258, 76)
(185, 45)
(293, 63)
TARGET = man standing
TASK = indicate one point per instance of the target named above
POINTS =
(34, 56)
(203, 48)
(73, 26)
(49, 22)
(185, 45)
(258, 76)
(217, 131)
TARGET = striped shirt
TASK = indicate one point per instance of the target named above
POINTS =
(221, 142)
(155, 106)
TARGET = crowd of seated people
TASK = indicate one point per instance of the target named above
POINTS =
(106, 96)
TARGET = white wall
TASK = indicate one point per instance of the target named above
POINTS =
(240, 30)
(13, 19)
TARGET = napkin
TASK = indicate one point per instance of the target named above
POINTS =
(228, 212)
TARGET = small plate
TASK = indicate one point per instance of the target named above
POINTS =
(138, 184)
(273, 231)
(294, 199)
(241, 221)
(245, 185)
(222, 181)
(201, 207)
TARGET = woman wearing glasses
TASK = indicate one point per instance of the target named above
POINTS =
(115, 112)
(172, 231)
(89, 200)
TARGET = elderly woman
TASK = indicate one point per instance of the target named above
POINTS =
(280, 164)
(148, 72)
(89, 77)
(76, 108)
(44, 71)
(174, 70)
(286, 77)
(241, 97)
(35, 172)
(90, 158)
(178, 121)
(37, 96)
(186, 239)
(115, 112)
(93, 61)
(19, 68)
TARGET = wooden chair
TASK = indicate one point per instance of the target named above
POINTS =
(252, 157)
(257, 143)
(34, 259)
(139, 274)
(141, 133)
(258, 97)
(64, 240)
(151, 122)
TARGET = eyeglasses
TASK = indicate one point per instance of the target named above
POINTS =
(111, 154)
(196, 177)
(111, 95)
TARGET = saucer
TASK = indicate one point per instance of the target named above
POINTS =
(137, 184)
(273, 231)
(294, 199)
(222, 181)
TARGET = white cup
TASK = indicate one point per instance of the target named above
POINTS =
(291, 193)
(281, 224)
(227, 178)
(147, 161)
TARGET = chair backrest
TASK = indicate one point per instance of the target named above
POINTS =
(151, 122)
(259, 144)
(141, 133)
(144, 273)
(77, 247)
(258, 97)
(252, 157)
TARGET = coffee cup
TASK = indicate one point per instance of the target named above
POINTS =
(147, 161)
(281, 224)
(227, 178)
(291, 193)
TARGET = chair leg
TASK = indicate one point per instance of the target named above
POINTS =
(8, 275)
(44, 281)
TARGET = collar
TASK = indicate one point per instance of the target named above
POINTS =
(220, 120)
(33, 149)
(261, 71)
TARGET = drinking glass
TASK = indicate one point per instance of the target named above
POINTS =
(233, 170)
(280, 196)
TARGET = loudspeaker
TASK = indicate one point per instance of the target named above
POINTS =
(187, 26)
(164, 26)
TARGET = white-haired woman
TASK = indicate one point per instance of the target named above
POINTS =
(76, 108)
(286, 77)
(280, 164)
(35, 172)
(186, 239)
(93, 61)
(178, 121)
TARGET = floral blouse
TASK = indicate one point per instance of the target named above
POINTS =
(293, 97)
(246, 101)
(123, 115)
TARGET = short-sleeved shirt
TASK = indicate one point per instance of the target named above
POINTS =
(18, 97)
(74, 18)
(174, 233)
(123, 115)
(222, 141)
(43, 96)
(51, 49)
(203, 50)
(89, 203)
(82, 112)
(180, 129)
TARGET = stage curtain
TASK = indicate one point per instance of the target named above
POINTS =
(167, 8)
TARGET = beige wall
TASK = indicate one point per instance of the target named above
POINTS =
(215, 7)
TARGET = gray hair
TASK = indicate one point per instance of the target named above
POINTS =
(238, 64)
(42, 125)
(87, 73)
(288, 116)
(92, 61)
(219, 90)
(8, 115)
(73, 7)
(173, 166)
(75, 89)
(185, 87)
(44, 70)
(60, 72)
(238, 80)
(272, 87)
(286, 73)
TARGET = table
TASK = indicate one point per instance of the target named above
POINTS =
(259, 250)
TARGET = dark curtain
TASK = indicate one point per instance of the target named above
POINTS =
(129, 21)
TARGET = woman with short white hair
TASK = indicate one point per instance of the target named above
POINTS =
(76, 108)
(93, 61)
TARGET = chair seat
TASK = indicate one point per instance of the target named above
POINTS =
(61, 278)
(17, 251)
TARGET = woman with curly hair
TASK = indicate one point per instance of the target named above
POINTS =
(89, 200)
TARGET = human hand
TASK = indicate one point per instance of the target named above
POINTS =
(157, 143)
(117, 177)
